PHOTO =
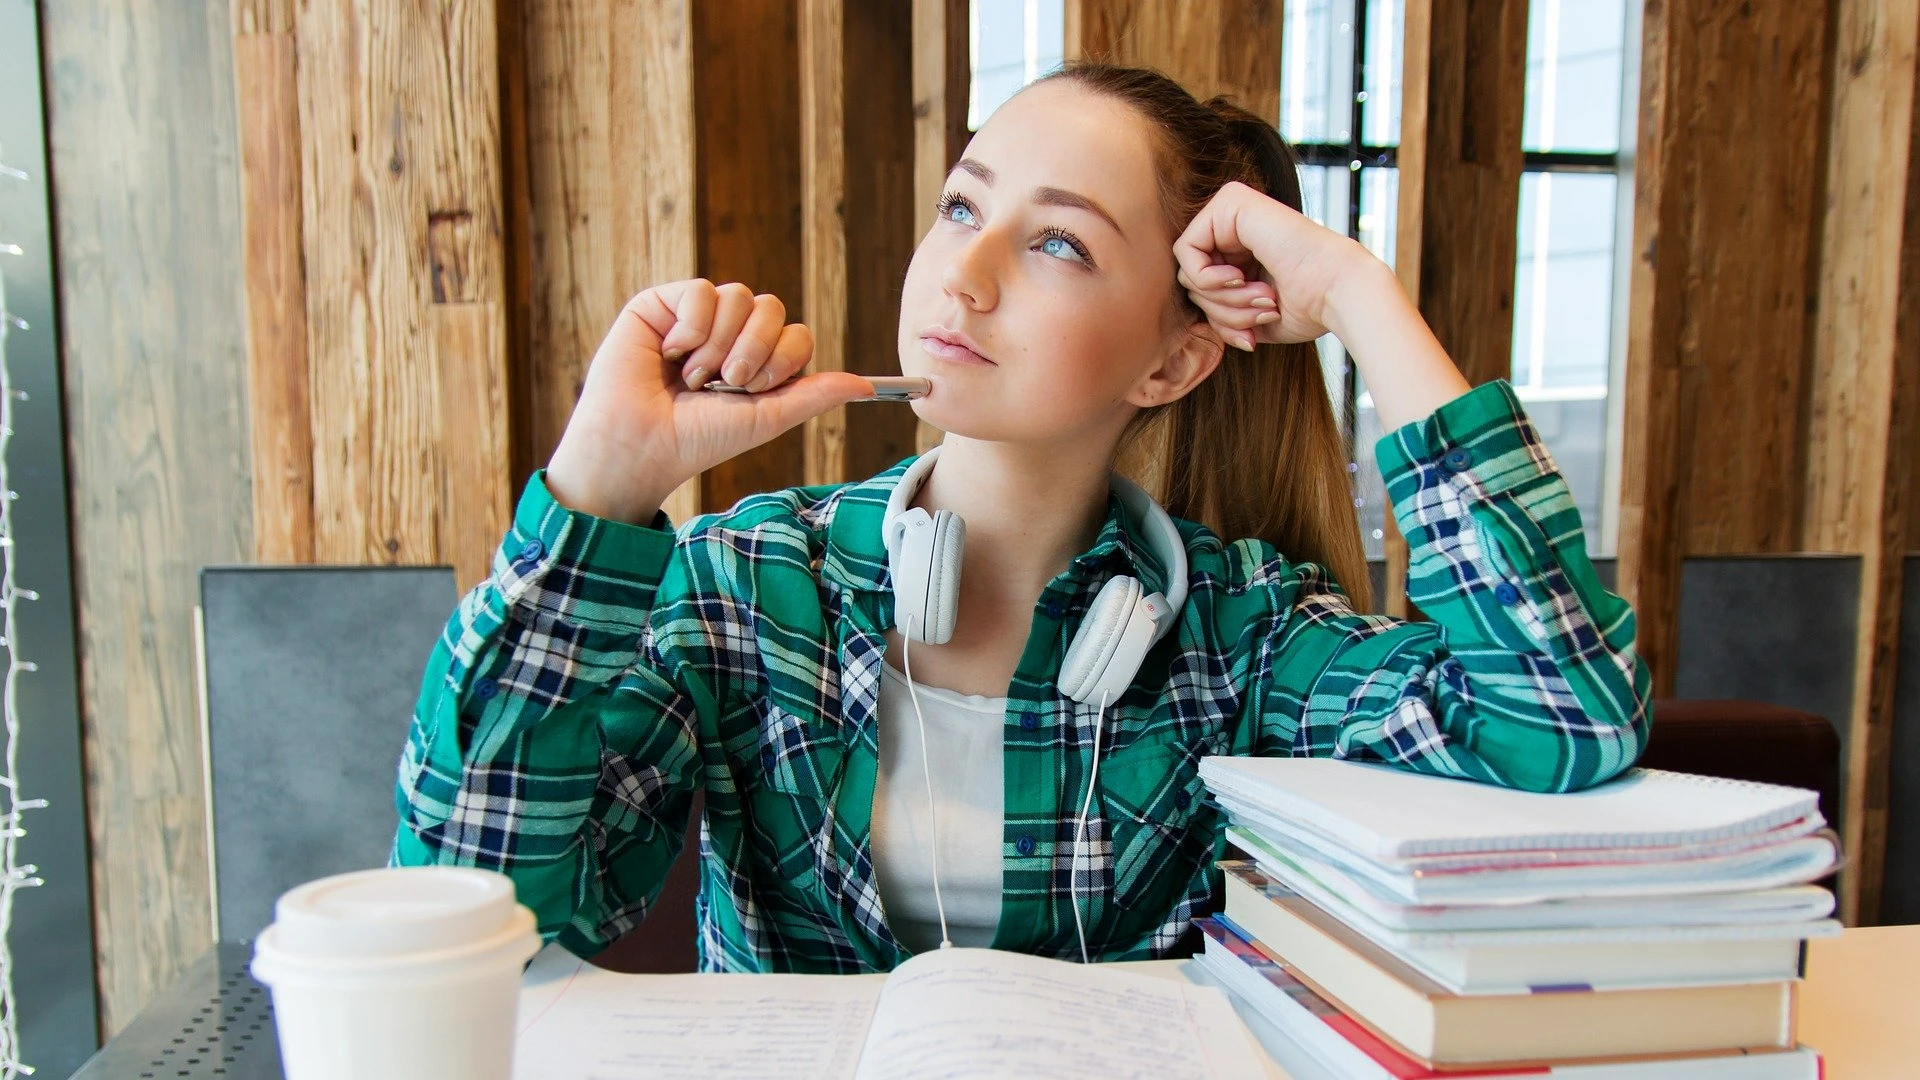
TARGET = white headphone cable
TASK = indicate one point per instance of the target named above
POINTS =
(1073, 871)
(926, 763)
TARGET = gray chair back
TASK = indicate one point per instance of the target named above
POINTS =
(311, 673)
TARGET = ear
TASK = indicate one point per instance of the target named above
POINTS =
(1197, 350)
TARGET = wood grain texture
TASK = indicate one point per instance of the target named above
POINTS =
(746, 77)
(1727, 189)
(261, 16)
(941, 82)
(823, 222)
(1861, 392)
(1464, 92)
(599, 166)
(470, 389)
(146, 201)
(266, 93)
(1229, 47)
(880, 141)
(400, 135)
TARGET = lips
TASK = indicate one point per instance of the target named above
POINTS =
(952, 346)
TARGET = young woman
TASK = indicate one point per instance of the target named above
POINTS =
(1116, 272)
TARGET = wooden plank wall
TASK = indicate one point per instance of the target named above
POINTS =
(1725, 242)
(1863, 388)
(147, 225)
(375, 277)
(599, 175)
(1229, 47)
(405, 282)
(885, 223)
(1771, 342)
(857, 136)
(1464, 92)
(746, 79)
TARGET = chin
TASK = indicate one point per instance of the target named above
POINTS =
(983, 422)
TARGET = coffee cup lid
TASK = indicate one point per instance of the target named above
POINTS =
(392, 910)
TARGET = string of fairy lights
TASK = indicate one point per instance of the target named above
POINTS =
(14, 875)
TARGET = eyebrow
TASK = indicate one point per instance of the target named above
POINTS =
(1045, 196)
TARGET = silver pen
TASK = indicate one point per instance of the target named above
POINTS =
(886, 387)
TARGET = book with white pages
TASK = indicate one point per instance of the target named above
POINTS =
(1313, 1040)
(1794, 911)
(1387, 814)
(1612, 958)
(1549, 875)
(1535, 1025)
(946, 1013)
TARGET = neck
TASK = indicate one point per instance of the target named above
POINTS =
(1029, 509)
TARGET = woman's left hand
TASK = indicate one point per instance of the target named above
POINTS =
(1286, 265)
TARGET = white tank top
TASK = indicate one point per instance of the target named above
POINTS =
(964, 743)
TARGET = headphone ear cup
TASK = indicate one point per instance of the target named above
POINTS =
(943, 576)
(1100, 636)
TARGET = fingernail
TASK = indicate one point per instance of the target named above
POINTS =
(1265, 317)
(762, 380)
(697, 378)
(1261, 301)
(1246, 343)
(1235, 283)
(673, 354)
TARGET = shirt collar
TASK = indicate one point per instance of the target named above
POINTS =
(856, 555)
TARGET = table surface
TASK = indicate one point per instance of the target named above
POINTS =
(1861, 1000)
(1858, 1007)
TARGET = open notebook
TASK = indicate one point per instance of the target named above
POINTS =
(941, 1015)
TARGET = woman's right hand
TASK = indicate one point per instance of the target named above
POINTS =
(643, 426)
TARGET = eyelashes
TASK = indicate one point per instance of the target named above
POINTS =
(951, 199)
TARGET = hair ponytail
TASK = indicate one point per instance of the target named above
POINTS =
(1255, 449)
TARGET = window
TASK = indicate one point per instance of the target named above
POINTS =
(1012, 43)
(1340, 106)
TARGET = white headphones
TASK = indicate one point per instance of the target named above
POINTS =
(923, 554)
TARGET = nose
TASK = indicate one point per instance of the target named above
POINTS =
(970, 274)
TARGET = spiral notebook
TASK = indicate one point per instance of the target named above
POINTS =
(1389, 815)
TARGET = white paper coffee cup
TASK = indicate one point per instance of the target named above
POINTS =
(400, 973)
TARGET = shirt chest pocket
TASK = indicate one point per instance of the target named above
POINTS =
(790, 776)
(1154, 802)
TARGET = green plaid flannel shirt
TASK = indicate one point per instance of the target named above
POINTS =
(606, 671)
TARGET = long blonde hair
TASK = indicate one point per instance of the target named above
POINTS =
(1254, 450)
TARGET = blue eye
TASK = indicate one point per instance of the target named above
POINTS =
(1067, 248)
(1058, 246)
(947, 204)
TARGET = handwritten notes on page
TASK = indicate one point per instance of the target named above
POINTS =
(945, 1015)
(602, 1025)
(964, 1013)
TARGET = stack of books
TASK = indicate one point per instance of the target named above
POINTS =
(1387, 924)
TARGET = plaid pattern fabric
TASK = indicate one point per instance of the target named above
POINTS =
(606, 671)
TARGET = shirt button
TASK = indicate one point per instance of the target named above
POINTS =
(1183, 799)
(1054, 609)
(1024, 845)
(533, 551)
(1505, 592)
(485, 689)
(1029, 721)
(1457, 459)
